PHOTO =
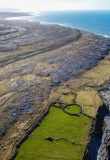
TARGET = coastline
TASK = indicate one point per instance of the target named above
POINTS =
(33, 15)
(23, 75)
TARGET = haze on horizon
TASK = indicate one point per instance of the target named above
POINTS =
(48, 5)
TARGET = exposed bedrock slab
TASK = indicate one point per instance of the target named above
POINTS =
(34, 59)
(99, 146)
(104, 150)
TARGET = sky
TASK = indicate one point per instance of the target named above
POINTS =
(47, 5)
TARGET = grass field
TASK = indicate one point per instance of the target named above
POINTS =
(73, 109)
(66, 128)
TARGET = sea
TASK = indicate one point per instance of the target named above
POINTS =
(95, 21)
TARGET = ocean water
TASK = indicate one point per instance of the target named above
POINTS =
(97, 22)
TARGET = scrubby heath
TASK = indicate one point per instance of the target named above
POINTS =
(44, 64)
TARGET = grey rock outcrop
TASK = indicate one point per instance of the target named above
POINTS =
(104, 150)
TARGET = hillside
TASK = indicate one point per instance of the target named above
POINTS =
(39, 64)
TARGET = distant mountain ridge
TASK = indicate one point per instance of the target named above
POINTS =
(7, 14)
(8, 10)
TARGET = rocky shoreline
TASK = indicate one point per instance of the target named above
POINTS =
(98, 147)
(38, 63)
(104, 150)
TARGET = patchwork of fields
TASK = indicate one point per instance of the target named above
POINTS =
(60, 136)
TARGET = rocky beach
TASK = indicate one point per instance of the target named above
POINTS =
(41, 62)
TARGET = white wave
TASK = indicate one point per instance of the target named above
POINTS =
(106, 36)
(64, 25)
(18, 18)
(35, 13)
(27, 18)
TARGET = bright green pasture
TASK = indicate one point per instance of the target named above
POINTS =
(57, 124)
(73, 109)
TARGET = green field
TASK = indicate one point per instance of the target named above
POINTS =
(57, 124)
(73, 109)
